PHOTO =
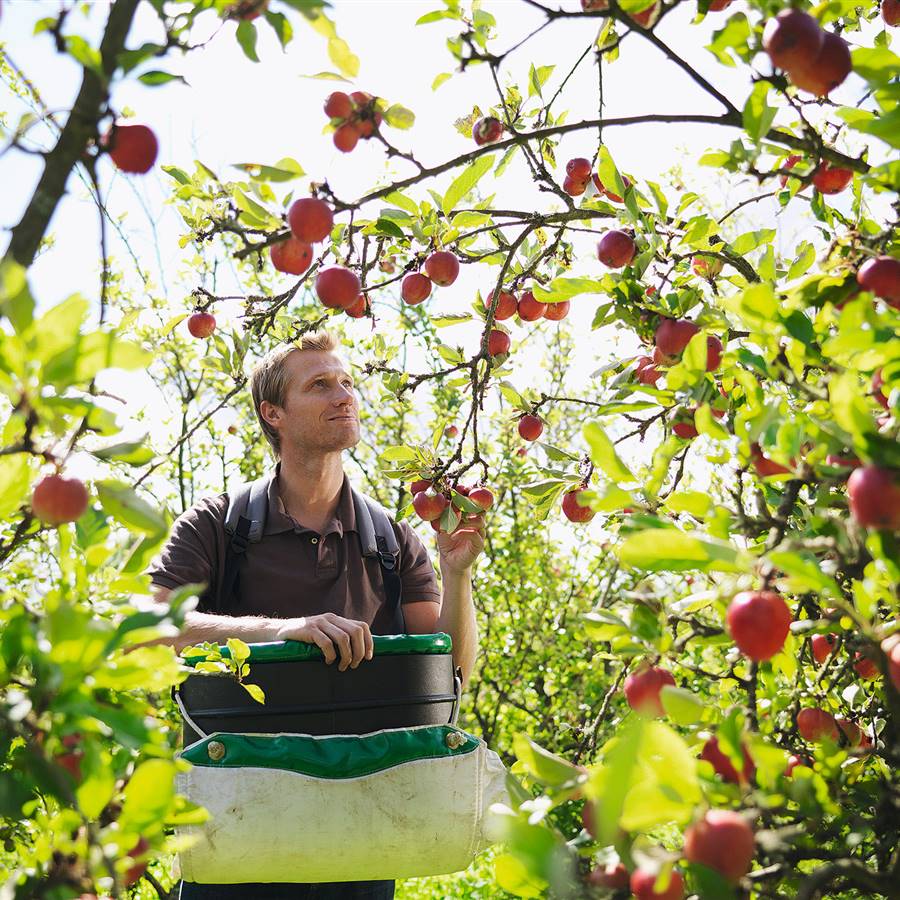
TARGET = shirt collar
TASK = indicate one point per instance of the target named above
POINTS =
(279, 521)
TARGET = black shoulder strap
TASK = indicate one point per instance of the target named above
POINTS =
(245, 520)
(377, 538)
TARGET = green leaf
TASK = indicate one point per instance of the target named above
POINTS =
(149, 795)
(707, 424)
(342, 56)
(848, 407)
(758, 115)
(246, 36)
(89, 57)
(15, 482)
(694, 502)
(286, 169)
(609, 174)
(398, 116)
(237, 650)
(16, 302)
(670, 550)
(805, 257)
(541, 764)
(158, 77)
(682, 706)
(134, 453)
(805, 574)
(255, 691)
(386, 226)
(565, 288)
(877, 65)
(753, 239)
(441, 79)
(125, 506)
(603, 453)
(281, 25)
(466, 181)
(395, 198)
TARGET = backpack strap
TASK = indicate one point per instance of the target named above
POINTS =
(377, 538)
(245, 520)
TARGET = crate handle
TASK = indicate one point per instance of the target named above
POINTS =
(457, 693)
(176, 696)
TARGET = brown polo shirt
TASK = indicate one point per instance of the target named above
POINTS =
(293, 571)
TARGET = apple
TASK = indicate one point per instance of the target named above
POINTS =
(814, 724)
(646, 18)
(201, 324)
(792, 39)
(759, 622)
(890, 646)
(613, 877)
(822, 73)
(530, 428)
(415, 288)
(530, 310)
(789, 163)
(310, 219)
(420, 485)
(429, 504)
(723, 765)
(854, 737)
(673, 335)
(713, 354)
(706, 266)
(71, 759)
(482, 497)
(358, 308)
(723, 841)
(507, 305)
(646, 372)
(488, 130)
(337, 287)
(793, 762)
(847, 462)
(133, 148)
(866, 667)
(574, 187)
(874, 495)
(881, 277)
(642, 886)
(828, 180)
(684, 425)
(579, 168)
(719, 5)
(451, 431)
(642, 690)
(763, 465)
(498, 343)
(571, 508)
(291, 256)
(616, 249)
(878, 386)
(442, 268)
(890, 12)
(594, 5)
(56, 499)
(557, 311)
(346, 137)
(338, 105)
(602, 189)
(822, 646)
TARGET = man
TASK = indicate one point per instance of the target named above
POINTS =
(307, 579)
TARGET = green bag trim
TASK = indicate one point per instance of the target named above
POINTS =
(384, 645)
(334, 756)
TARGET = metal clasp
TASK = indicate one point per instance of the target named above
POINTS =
(454, 740)
(215, 750)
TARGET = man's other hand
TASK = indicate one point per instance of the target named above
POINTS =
(459, 550)
(334, 635)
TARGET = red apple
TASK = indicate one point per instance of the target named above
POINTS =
(346, 137)
(646, 372)
(723, 841)
(415, 288)
(311, 219)
(673, 335)
(613, 877)
(793, 38)
(646, 18)
(828, 180)
(530, 310)
(723, 765)
(616, 249)
(442, 267)
(418, 486)
(602, 189)
(719, 5)
(201, 324)
(498, 343)
(338, 105)
(878, 386)
(713, 353)
(684, 426)
(822, 73)
(574, 187)
(557, 311)
(594, 5)
(642, 886)
(133, 148)
(789, 163)
(642, 690)
(890, 12)
(56, 499)
(874, 495)
(579, 168)
(814, 724)
(765, 466)
(482, 497)
(429, 504)
(706, 266)
(507, 305)
(822, 646)
(358, 308)
(487, 130)
(291, 256)
(866, 667)
(530, 428)
(759, 622)
(793, 762)
(572, 510)
(881, 277)
(337, 287)
(451, 431)
(854, 737)
(890, 646)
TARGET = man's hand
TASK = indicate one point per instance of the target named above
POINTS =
(459, 550)
(328, 631)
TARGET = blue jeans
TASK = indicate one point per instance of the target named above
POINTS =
(327, 890)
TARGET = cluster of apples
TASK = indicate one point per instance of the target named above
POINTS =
(827, 179)
(354, 116)
(578, 173)
(431, 502)
(132, 147)
(441, 268)
(814, 59)
(670, 339)
(526, 307)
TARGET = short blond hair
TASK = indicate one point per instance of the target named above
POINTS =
(269, 378)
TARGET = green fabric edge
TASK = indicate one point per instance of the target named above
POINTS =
(384, 645)
(334, 756)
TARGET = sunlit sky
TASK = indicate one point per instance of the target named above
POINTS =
(233, 110)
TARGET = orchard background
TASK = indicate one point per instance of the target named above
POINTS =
(736, 478)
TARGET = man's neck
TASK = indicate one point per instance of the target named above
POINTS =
(310, 487)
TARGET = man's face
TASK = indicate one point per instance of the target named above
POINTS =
(320, 411)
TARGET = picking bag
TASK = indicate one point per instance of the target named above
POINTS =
(395, 802)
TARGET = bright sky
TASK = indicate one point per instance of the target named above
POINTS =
(236, 111)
